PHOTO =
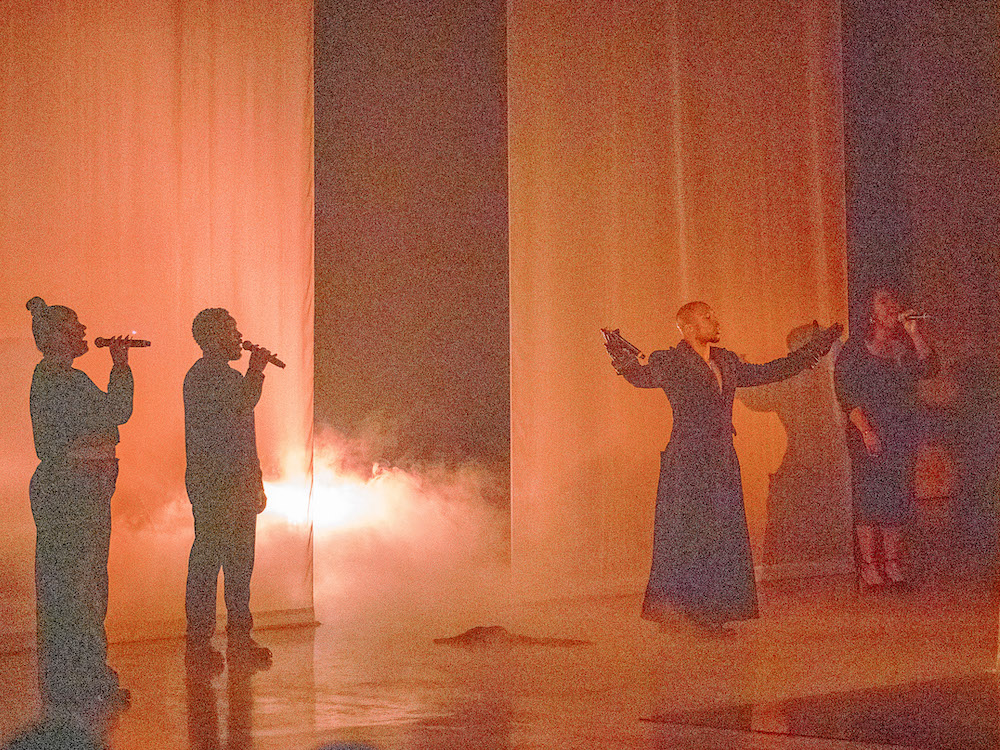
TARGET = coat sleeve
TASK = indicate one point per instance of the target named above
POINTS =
(748, 374)
(652, 375)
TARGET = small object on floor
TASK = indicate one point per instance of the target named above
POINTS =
(496, 635)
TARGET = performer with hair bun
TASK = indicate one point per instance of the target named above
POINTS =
(75, 427)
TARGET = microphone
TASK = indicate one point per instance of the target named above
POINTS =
(272, 359)
(99, 342)
(914, 316)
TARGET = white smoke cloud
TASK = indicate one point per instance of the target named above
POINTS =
(424, 546)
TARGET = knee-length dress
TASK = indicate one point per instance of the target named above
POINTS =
(885, 390)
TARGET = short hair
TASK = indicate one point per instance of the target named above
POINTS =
(687, 311)
(208, 323)
(44, 320)
(869, 301)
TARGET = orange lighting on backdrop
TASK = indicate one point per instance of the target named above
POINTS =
(156, 159)
(660, 152)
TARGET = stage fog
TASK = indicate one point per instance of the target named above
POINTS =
(433, 256)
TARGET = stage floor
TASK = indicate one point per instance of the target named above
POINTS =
(823, 666)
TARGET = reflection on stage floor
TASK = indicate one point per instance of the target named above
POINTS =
(824, 666)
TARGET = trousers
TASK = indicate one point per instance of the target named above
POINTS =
(71, 506)
(224, 539)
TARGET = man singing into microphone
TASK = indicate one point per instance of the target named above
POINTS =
(225, 488)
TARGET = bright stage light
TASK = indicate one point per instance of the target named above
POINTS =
(337, 502)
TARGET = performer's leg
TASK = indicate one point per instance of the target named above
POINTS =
(892, 546)
(204, 564)
(869, 569)
(237, 569)
(60, 622)
(93, 592)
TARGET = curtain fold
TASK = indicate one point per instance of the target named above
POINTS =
(659, 152)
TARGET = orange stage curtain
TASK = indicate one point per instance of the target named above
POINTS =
(156, 159)
(659, 152)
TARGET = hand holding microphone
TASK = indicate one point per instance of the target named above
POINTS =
(910, 318)
(263, 354)
(119, 346)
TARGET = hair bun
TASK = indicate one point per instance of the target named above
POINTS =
(36, 305)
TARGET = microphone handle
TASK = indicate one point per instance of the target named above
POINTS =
(101, 342)
(272, 359)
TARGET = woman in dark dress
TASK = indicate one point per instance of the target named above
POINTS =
(75, 426)
(875, 380)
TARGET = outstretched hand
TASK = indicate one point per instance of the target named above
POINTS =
(821, 340)
(624, 356)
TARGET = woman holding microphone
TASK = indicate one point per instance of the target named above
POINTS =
(75, 426)
(875, 379)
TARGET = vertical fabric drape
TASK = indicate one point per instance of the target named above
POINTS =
(659, 152)
(923, 165)
(156, 159)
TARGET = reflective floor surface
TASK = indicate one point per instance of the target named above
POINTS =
(823, 668)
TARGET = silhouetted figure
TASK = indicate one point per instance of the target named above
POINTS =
(876, 378)
(75, 427)
(224, 486)
(809, 494)
(702, 562)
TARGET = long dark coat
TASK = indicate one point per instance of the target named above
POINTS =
(702, 564)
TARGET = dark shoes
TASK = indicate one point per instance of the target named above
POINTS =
(242, 652)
